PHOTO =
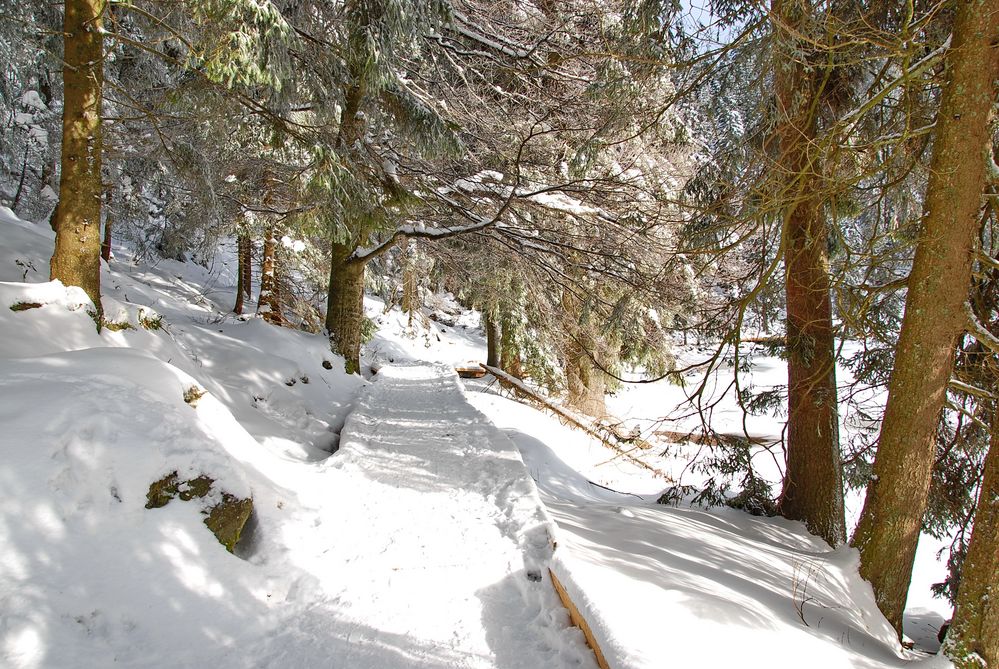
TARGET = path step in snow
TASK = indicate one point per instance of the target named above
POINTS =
(456, 560)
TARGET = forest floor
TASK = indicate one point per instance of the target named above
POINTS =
(404, 520)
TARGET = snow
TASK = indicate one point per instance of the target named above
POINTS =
(685, 578)
(425, 540)
(32, 100)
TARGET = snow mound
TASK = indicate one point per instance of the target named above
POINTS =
(86, 570)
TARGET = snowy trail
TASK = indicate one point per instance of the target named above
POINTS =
(453, 566)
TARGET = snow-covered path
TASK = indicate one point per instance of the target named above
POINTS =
(454, 567)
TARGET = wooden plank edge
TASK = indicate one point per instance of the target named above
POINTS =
(579, 621)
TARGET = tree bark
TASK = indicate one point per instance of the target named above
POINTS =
(493, 337)
(939, 282)
(345, 306)
(246, 257)
(410, 278)
(975, 627)
(77, 219)
(345, 296)
(269, 303)
(813, 487)
(106, 244)
(243, 271)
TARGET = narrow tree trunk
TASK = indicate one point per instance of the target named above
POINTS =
(106, 244)
(246, 258)
(975, 627)
(77, 219)
(242, 271)
(939, 282)
(410, 278)
(493, 337)
(813, 488)
(269, 303)
(345, 307)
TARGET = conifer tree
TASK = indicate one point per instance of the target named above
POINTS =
(973, 636)
(938, 285)
(813, 488)
(77, 219)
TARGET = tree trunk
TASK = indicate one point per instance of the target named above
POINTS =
(77, 219)
(410, 278)
(345, 297)
(269, 303)
(938, 286)
(345, 307)
(813, 487)
(975, 627)
(106, 244)
(493, 337)
(246, 258)
(243, 271)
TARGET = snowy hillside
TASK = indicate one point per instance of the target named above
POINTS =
(424, 540)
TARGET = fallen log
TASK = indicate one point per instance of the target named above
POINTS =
(765, 341)
(715, 439)
(607, 437)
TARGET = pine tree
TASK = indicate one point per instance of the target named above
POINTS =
(974, 630)
(938, 285)
(77, 220)
(813, 488)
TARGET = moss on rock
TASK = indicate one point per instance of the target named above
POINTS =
(226, 519)
(196, 487)
(162, 491)
(193, 394)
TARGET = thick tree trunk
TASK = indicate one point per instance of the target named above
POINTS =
(345, 297)
(938, 286)
(77, 219)
(975, 627)
(243, 271)
(269, 303)
(345, 307)
(493, 338)
(813, 488)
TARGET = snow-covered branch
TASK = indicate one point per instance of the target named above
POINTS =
(363, 255)
(930, 60)
(979, 331)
